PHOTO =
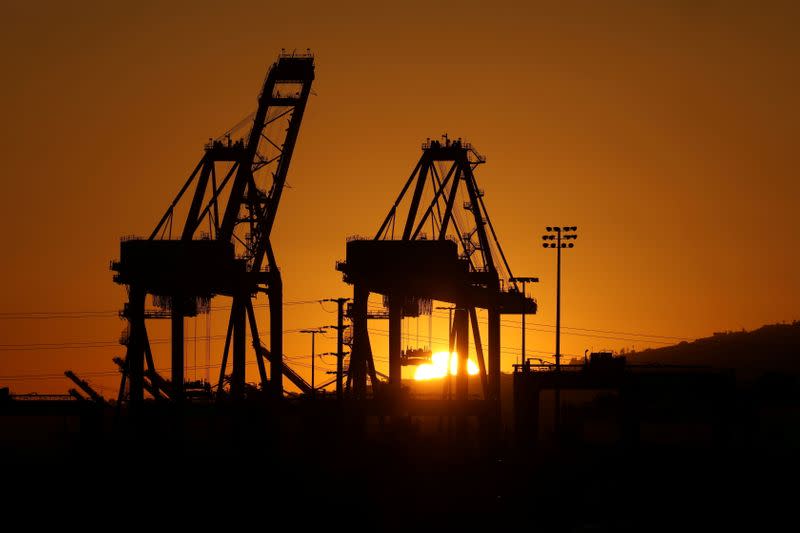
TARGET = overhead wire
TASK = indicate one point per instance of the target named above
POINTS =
(507, 351)
(46, 315)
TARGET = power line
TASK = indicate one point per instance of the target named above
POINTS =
(102, 373)
(107, 313)
(508, 324)
(295, 360)
(72, 315)
(70, 345)
(99, 344)
(503, 351)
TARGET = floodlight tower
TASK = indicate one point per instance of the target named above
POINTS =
(558, 234)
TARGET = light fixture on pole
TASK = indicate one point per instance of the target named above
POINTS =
(559, 234)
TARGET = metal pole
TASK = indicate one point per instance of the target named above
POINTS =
(135, 356)
(446, 389)
(340, 348)
(571, 235)
(449, 352)
(523, 297)
(313, 333)
(275, 296)
(239, 332)
(177, 350)
(494, 354)
(557, 421)
(522, 362)
(462, 342)
(339, 327)
(558, 303)
(395, 342)
(313, 391)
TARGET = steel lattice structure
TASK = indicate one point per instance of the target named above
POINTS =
(461, 262)
(222, 247)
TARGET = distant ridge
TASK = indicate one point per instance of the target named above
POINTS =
(773, 348)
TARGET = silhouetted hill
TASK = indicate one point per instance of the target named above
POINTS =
(770, 349)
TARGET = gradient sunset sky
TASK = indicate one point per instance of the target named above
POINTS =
(666, 131)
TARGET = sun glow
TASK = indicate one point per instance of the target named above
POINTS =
(437, 368)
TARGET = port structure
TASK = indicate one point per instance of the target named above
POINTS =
(460, 261)
(227, 208)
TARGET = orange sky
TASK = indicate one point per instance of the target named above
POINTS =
(666, 131)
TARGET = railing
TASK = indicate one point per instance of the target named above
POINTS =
(479, 158)
(448, 143)
(541, 367)
(43, 397)
(295, 53)
(641, 367)
(513, 290)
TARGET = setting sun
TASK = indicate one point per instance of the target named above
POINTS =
(437, 368)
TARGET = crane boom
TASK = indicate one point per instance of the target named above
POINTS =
(284, 95)
(183, 273)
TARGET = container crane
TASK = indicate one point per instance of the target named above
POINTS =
(461, 262)
(222, 247)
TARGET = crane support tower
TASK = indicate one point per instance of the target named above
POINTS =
(216, 242)
(461, 262)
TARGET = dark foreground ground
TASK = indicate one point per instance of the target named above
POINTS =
(299, 473)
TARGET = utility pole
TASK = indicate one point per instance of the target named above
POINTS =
(313, 333)
(524, 281)
(449, 346)
(558, 233)
(339, 327)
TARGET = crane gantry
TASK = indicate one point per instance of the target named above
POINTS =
(222, 247)
(461, 262)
